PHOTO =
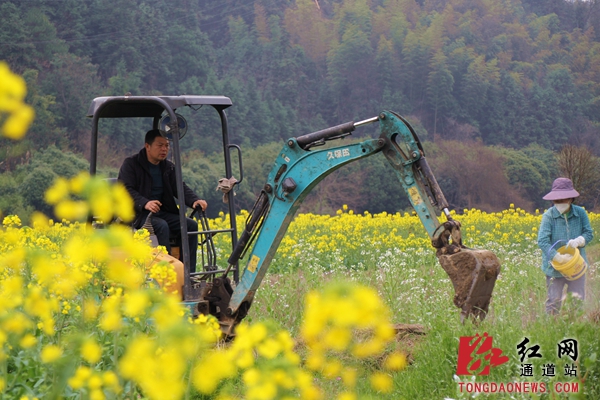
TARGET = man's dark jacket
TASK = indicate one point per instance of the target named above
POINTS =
(135, 175)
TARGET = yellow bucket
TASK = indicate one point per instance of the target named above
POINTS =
(574, 268)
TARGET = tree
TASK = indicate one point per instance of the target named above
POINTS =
(389, 88)
(350, 70)
(15, 43)
(415, 68)
(336, 189)
(73, 83)
(530, 171)
(473, 176)
(42, 33)
(309, 29)
(583, 168)
(504, 115)
(439, 89)
(38, 174)
(44, 130)
(480, 77)
(554, 107)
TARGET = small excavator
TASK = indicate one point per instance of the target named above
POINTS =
(298, 168)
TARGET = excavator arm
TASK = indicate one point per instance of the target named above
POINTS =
(298, 169)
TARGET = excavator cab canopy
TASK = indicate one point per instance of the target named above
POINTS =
(162, 111)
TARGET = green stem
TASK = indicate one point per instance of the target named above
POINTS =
(189, 376)
(114, 356)
(4, 374)
(15, 376)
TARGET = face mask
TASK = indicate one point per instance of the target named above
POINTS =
(563, 207)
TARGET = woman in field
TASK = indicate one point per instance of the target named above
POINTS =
(563, 224)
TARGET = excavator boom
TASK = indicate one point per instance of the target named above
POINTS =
(298, 169)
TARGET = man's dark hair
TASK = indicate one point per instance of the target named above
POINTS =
(151, 135)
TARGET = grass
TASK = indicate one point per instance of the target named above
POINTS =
(418, 291)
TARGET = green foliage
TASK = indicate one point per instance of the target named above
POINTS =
(13, 51)
(11, 200)
(510, 73)
(202, 176)
(35, 185)
(45, 129)
(439, 89)
(23, 189)
(530, 170)
(380, 186)
(258, 162)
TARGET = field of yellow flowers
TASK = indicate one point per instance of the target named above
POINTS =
(391, 253)
(79, 318)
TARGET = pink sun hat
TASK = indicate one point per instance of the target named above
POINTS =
(562, 188)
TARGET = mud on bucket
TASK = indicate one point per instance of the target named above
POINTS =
(574, 268)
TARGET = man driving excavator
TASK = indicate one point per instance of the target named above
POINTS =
(150, 180)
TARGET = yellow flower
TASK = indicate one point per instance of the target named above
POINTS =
(332, 369)
(111, 381)
(269, 349)
(91, 351)
(11, 220)
(28, 341)
(16, 125)
(18, 323)
(97, 394)
(12, 94)
(135, 304)
(50, 353)
(57, 192)
(125, 274)
(395, 362)
(72, 210)
(349, 376)
(381, 382)
(212, 369)
(251, 376)
(79, 380)
(78, 183)
(123, 203)
(111, 321)
(101, 205)
(90, 310)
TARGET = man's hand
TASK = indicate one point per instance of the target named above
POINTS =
(153, 206)
(201, 203)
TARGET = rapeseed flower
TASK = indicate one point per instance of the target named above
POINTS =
(50, 353)
(395, 362)
(28, 341)
(57, 275)
(91, 351)
(12, 95)
(381, 382)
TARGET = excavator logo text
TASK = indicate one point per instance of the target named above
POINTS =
(331, 155)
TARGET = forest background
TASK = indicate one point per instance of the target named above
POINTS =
(505, 94)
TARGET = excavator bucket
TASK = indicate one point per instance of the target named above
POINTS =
(473, 274)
